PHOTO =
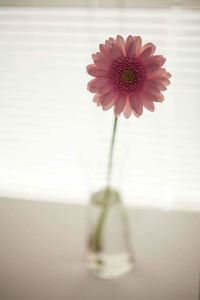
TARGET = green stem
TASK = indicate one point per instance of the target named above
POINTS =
(110, 160)
(96, 238)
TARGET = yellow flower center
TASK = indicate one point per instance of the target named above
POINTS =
(128, 76)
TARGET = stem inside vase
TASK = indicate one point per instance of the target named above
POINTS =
(96, 236)
(109, 248)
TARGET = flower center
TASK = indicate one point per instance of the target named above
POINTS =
(127, 75)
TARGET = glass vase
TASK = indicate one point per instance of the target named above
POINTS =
(109, 251)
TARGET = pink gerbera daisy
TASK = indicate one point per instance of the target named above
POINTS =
(128, 76)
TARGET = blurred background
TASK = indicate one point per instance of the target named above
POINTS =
(54, 141)
(54, 145)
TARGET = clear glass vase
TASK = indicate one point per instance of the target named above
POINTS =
(109, 251)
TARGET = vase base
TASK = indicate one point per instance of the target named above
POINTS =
(108, 266)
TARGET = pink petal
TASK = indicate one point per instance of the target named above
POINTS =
(128, 42)
(146, 96)
(151, 68)
(92, 85)
(155, 73)
(136, 103)
(145, 54)
(121, 44)
(102, 61)
(167, 74)
(104, 51)
(148, 105)
(135, 114)
(130, 51)
(159, 98)
(156, 85)
(106, 89)
(109, 105)
(109, 43)
(96, 84)
(151, 83)
(138, 47)
(94, 71)
(163, 80)
(131, 47)
(160, 86)
(156, 97)
(115, 51)
(156, 59)
(119, 105)
(151, 89)
(102, 64)
(107, 98)
(101, 56)
(147, 45)
(127, 110)
(96, 99)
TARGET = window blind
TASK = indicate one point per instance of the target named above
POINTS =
(54, 141)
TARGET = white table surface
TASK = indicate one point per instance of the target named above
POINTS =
(42, 255)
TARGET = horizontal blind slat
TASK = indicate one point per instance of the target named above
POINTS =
(52, 137)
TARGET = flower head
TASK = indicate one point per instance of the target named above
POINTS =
(128, 76)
